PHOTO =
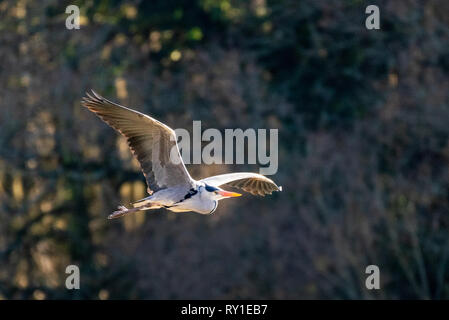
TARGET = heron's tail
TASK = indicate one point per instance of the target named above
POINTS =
(142, 202)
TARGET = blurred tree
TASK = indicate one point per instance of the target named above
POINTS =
(363, 149)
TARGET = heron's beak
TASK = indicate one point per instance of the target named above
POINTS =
(228, 194)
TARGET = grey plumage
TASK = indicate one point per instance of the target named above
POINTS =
(253, 183)
(149, 140)
(169, 183)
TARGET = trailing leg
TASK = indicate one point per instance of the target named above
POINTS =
(122, 210)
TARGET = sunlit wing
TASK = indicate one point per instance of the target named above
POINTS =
(150, 141)
(253, 183)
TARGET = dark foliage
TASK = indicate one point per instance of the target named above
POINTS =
(363, 155)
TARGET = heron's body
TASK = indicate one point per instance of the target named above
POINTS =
(169, 183)
(193, 200)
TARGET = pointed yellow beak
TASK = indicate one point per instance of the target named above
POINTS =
(229, 194)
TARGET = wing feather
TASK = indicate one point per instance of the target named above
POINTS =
(150, 141)
(253, 183)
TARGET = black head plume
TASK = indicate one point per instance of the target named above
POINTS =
(210, 188)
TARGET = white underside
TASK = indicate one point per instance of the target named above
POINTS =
(185, 206)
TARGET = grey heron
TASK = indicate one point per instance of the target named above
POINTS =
(169, 184)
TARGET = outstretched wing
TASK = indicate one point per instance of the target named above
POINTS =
(150, 141)
(254, 183)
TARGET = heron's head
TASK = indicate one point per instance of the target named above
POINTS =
(218, 193)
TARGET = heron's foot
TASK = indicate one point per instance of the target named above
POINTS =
(122, 210)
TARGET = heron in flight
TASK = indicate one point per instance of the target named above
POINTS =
(169, 183)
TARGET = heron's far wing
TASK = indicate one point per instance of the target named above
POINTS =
(254, 183)
(150, 141)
